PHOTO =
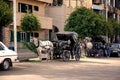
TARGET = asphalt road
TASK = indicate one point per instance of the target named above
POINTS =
(86, 69)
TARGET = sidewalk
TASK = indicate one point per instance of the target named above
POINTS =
(25, 54)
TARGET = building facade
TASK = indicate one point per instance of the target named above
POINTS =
(109, 8)
(60, 10)
(36, 7)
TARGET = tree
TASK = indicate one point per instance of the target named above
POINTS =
(30, 23)
(6, 17)
(115, 32)
(86, 23)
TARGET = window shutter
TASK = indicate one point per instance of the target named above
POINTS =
(28, 37)
(18, 37)
(11, 36)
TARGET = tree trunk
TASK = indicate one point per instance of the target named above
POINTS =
(1, 33)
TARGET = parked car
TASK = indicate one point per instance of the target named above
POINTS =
(7, 57)
(115, 49)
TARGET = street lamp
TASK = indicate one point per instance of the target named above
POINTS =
(14, 24)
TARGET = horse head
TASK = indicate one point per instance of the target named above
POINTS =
(36, 42)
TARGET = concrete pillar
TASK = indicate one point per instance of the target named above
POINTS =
(118, 18)
(82, 2)
(76, 3)
(114, 7)
(6, 36)
(106, 12)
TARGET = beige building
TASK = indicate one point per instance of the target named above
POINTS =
(59, 13)
(108, 8)
(37, 7)
(51, 16)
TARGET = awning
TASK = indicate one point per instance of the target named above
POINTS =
(97, 7)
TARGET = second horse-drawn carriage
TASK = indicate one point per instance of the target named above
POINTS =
(67, 46)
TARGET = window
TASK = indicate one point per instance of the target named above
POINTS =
(35, 34)
(36, 8)
(24, 8)
(21, 36)
(57, 2)
(25, 36)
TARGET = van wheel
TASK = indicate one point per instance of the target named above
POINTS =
(6, 65)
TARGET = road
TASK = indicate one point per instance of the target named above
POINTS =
(85, 69)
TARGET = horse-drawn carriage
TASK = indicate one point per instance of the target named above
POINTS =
(67, 46)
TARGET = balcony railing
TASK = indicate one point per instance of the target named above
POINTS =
(97, 1)
(47, 1)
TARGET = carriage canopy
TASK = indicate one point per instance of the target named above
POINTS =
(72, 36)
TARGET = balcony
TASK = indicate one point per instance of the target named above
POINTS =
(97, 7)
(46, 22)
(97, 1)
(46, 1)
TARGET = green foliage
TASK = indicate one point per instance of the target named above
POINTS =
(6, 17)
(5, 14)
(30, 23)
(115, 26)
(86, 23)
(30, 46)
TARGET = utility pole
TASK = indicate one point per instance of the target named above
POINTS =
(14, 24)
(106, 7)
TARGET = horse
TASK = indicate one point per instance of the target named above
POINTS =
(44, 48)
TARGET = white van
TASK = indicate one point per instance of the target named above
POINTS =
(7, 57)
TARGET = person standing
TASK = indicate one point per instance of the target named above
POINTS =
(108, 51)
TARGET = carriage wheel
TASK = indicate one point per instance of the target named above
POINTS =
(77, 57)
(78, 54)
(66, 55)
